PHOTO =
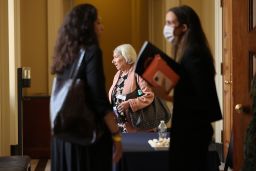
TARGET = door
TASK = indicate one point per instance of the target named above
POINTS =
(227, 74)
(243, 67)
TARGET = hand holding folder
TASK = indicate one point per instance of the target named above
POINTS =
(157, 68)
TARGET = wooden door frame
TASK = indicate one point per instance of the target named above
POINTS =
(243, 44)
(236, 45)
(218, 56)
(227, 74)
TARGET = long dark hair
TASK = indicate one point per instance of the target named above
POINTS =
(76, 32)
(194, 38)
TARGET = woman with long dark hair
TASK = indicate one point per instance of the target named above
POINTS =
(81, 30)
(195, 101)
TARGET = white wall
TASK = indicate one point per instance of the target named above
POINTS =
(9, 61)
(4, 84)
(218, 61)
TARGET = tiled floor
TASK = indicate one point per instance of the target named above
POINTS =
(48, 166)
(34, 164)
(34, 167)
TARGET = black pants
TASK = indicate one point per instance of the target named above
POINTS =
(189, 148)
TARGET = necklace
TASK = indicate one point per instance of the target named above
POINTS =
(122, 79)
(124, 74)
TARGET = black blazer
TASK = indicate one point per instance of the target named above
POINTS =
(93, 73)
(195, 96)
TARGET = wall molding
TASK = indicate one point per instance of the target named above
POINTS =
(156, 22)
(218, 61)
(4, 84)
(151, 20)
(14, 63)
(135, 27)
(9, 60)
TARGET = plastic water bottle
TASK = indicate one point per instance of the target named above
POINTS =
(162, 130)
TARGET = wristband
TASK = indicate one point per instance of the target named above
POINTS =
(117, 138)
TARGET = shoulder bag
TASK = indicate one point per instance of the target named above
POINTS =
(71, 118)
(150, 116)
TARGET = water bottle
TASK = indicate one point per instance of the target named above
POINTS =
(162, 130)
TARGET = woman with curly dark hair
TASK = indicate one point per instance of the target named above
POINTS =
(81, 30)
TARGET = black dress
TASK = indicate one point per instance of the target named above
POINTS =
(66, 156)
(195, 106)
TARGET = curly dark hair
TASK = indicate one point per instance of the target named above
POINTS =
(76, 32)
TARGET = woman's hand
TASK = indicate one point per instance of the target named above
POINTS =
(122, 107)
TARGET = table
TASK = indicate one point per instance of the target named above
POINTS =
(138, 155)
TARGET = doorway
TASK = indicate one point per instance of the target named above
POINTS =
(239, 60)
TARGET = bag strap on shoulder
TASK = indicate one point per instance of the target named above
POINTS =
(77, 64)
(137, 80)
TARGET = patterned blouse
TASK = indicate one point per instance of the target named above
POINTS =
(118, 89)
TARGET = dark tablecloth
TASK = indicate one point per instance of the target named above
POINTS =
(139, 155)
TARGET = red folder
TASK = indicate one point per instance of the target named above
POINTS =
(160, 75)
(157, 68)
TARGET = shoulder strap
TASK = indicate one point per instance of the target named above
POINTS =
(77, 64)
(137, 80)
(138, 89)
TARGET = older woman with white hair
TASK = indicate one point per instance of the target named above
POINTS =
(126, 81)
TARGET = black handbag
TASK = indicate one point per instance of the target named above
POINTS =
(150, 116)
(71, 118)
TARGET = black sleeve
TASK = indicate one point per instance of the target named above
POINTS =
(95, 81)
(201, 78)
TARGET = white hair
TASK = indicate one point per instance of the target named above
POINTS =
(128, 52)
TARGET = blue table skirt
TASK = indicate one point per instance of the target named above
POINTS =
(138, 155)
(138, 142)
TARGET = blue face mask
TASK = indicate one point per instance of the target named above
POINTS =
(168, 32)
